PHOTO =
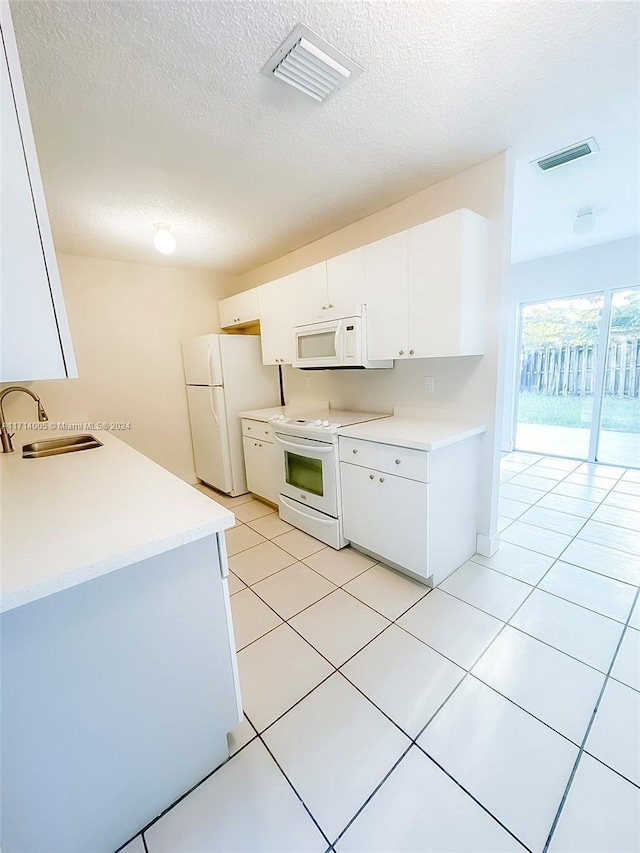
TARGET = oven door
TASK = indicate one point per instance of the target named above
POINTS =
(308, 472)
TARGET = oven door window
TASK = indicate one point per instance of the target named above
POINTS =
(304, 473)
(316, 345)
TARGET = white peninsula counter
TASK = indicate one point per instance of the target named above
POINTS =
(119, 677)
(410, 492)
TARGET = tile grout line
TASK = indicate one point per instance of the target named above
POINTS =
(467, 671)
(581, 748)
(500, 632)
(308, 606)
(305, 806)
(555, 560)
(597, 505)
(541, 589)
(414, 740)
(337, 669)
(563, 480)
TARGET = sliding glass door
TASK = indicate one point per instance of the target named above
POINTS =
(619, 433)
(579, 378)
(558, 353)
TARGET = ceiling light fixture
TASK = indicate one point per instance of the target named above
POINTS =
(585, 221)
(311, 65)
(163, 239)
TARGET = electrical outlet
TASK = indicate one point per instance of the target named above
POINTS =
(429, 384)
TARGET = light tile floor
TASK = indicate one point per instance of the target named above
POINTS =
(499, 712)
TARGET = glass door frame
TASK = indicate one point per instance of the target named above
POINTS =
(601, 365)
(604, 332)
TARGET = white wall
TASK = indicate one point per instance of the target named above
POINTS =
(465, 387)
(127, 322)
(607, 266)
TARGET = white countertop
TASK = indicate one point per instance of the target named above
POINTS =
(264, 415)
(412, 432)
(70, 518)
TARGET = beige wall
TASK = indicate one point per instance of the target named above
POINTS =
(465, 387)
(127, 322)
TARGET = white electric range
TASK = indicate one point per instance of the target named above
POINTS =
(310, 470)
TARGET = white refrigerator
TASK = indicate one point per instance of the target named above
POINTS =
(225, 376)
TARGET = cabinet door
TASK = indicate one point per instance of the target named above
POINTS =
(435, 266)
(312, 299)
(277, 304)
(345, 284)
(240, 309)
(270, 471)
(447, 285)
(360, 506)
(403, 522)
(34, 331)
(261, 468)
(386, 290)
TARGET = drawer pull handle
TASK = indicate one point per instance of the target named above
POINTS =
(411, 351)
(371, 476)
(397, 461)
(382, 479)
(400, 352)
(354, 451)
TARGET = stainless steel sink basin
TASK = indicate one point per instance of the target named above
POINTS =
(55, 446)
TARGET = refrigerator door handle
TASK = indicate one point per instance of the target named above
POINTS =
(209, 368)
(213, 408)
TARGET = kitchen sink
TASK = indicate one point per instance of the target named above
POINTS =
(55, 446)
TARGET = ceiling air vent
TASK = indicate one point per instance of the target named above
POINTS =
(310, 64)
(586, 148)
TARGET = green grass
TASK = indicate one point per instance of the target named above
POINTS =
(622, 415)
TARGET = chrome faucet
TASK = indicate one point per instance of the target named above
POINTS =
(5, 437)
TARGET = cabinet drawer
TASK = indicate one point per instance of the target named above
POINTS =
(357, 452)
(404, 461)
(257, 429)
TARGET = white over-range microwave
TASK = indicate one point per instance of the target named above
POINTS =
(334, 344)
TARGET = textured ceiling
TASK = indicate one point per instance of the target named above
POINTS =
(150, 112)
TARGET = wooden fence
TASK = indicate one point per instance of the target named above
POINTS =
(569, 370)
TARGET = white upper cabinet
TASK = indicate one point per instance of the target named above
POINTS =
(277, 305)
(345, 285)
(36, 343)
(239, 310)
(387, 297)
(425, 292)
(332, 289)
(448, 285)
(426, 289)
(311, 294)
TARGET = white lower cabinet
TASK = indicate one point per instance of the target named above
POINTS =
(387, 515)
(422, 520)
(261, 466)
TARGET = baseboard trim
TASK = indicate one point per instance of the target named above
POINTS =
(507, 446)
(487, 546)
